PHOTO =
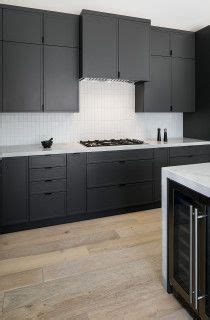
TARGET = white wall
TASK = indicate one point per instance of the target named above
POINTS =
(107, 110)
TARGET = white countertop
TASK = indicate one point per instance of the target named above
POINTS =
(30, 150)
(195, 177)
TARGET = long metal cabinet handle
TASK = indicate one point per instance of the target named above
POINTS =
(191, 253)
(197, 217)
(196, 259)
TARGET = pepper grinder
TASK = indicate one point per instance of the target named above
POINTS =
(165, 137)
(158, 134)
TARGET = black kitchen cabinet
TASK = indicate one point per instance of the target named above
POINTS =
(160, 42)
(183, 85)
(99, 46)
(155, 96)
(121, 196)
(61, 86)
(1, 35)
(112, 173)
(1, 97)
(14, 191)
(22, 26)
(22, 77)
(134, 50)
(183, 44)
(61, 29)
(114, 47)
(76, 183)
(47, 206)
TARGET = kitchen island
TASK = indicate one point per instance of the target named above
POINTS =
(185, 233)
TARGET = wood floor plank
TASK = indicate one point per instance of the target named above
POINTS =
(21, 279)
(15, 265)
(103, 269)
(55, 243)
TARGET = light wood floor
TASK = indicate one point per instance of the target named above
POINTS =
(103, 269)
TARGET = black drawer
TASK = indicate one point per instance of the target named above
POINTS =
(113, 173)
(54, 160)
(178, 161)
(40, 174)
(111, 156)
(99, 199)
(189, 151)
(45, 206)
(47, 186)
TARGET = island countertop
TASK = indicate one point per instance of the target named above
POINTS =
(195, 177)
(76, 147)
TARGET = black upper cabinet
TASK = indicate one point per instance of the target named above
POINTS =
(61, 79)
(160, 41)
(1, 24)
(99, 46)
(15, 190)
(114, 47)
(22, 26)
(183, 44)
(61, 29)
(1, 98)
(134, 50)
(183, 85)
(22, 77)
(76, 183)
(156, 94)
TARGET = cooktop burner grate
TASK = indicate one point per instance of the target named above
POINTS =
(111, 142)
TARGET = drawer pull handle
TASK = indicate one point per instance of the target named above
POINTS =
(122, 185)
(122, 161)
(48, 193)
(49, 180)
(47, 168)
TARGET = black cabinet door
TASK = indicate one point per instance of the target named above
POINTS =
(99, 47)
(134, 50)
(22, 26)
(15, 191)
(22, 77)
(76, 183)
(1, 24)
(183, 44)
(183, 85)
(61, 82)
(157, 94)
(1, 98)
(160, 42)
(61, 29)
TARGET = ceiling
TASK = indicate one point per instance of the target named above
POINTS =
(181, 14)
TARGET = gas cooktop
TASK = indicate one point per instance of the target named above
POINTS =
(111, 142)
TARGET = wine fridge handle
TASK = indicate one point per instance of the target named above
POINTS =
(191, 254)
(196, 259)
(197, 217)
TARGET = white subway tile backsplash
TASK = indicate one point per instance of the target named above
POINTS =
(107, 110)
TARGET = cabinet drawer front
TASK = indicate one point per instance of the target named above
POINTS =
(113, 173)
(111, 156)
(46, 161)
(47, 186)
(119, 196)
(44, 206)
(187, 151)
(178, 161)
(47, 173)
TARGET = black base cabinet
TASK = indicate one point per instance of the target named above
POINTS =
(59, 188)
(14, 191)
(76, 183)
